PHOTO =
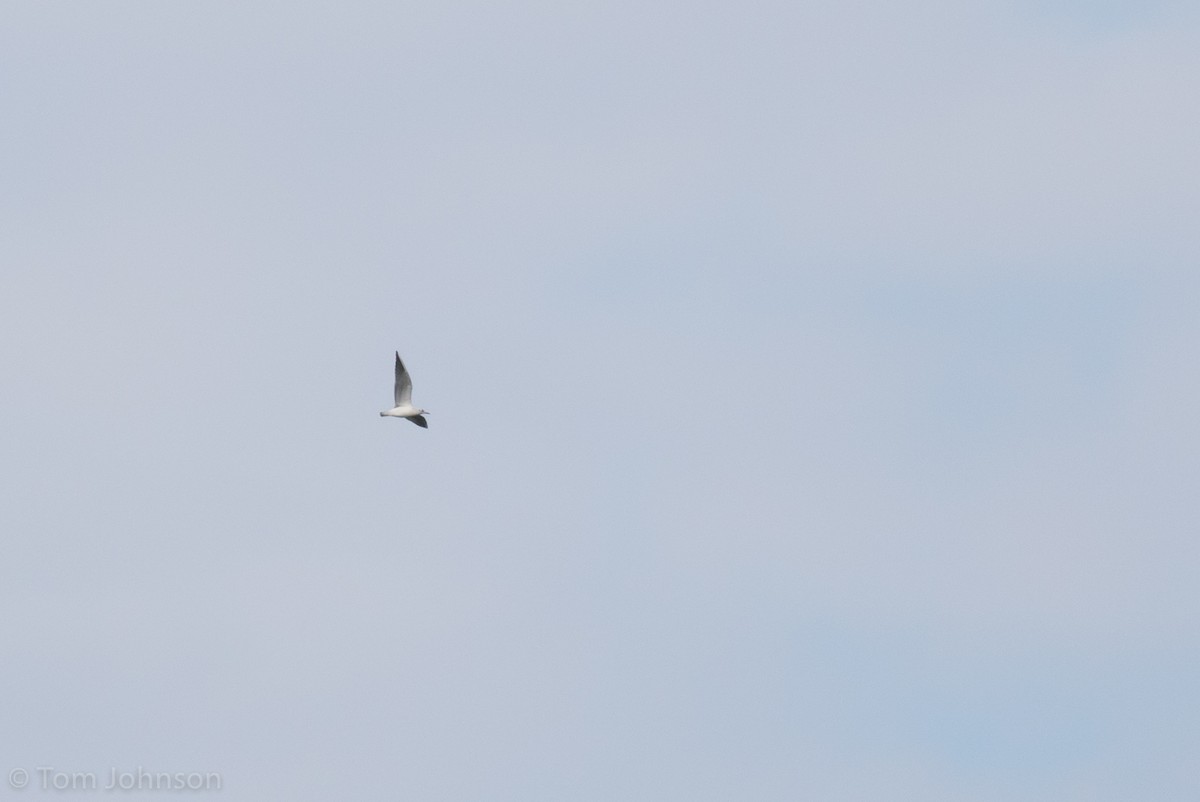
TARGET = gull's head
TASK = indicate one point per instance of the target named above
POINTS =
(383, 414)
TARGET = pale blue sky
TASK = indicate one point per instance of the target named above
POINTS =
(813, 392)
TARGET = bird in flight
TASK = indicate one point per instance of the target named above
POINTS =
(404, 407)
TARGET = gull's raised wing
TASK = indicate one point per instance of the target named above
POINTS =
(403, 383)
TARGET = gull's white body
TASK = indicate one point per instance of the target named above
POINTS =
(403, 398)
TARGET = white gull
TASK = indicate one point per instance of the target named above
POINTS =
(404, 407)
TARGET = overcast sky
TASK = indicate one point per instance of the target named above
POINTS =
(813, 392)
